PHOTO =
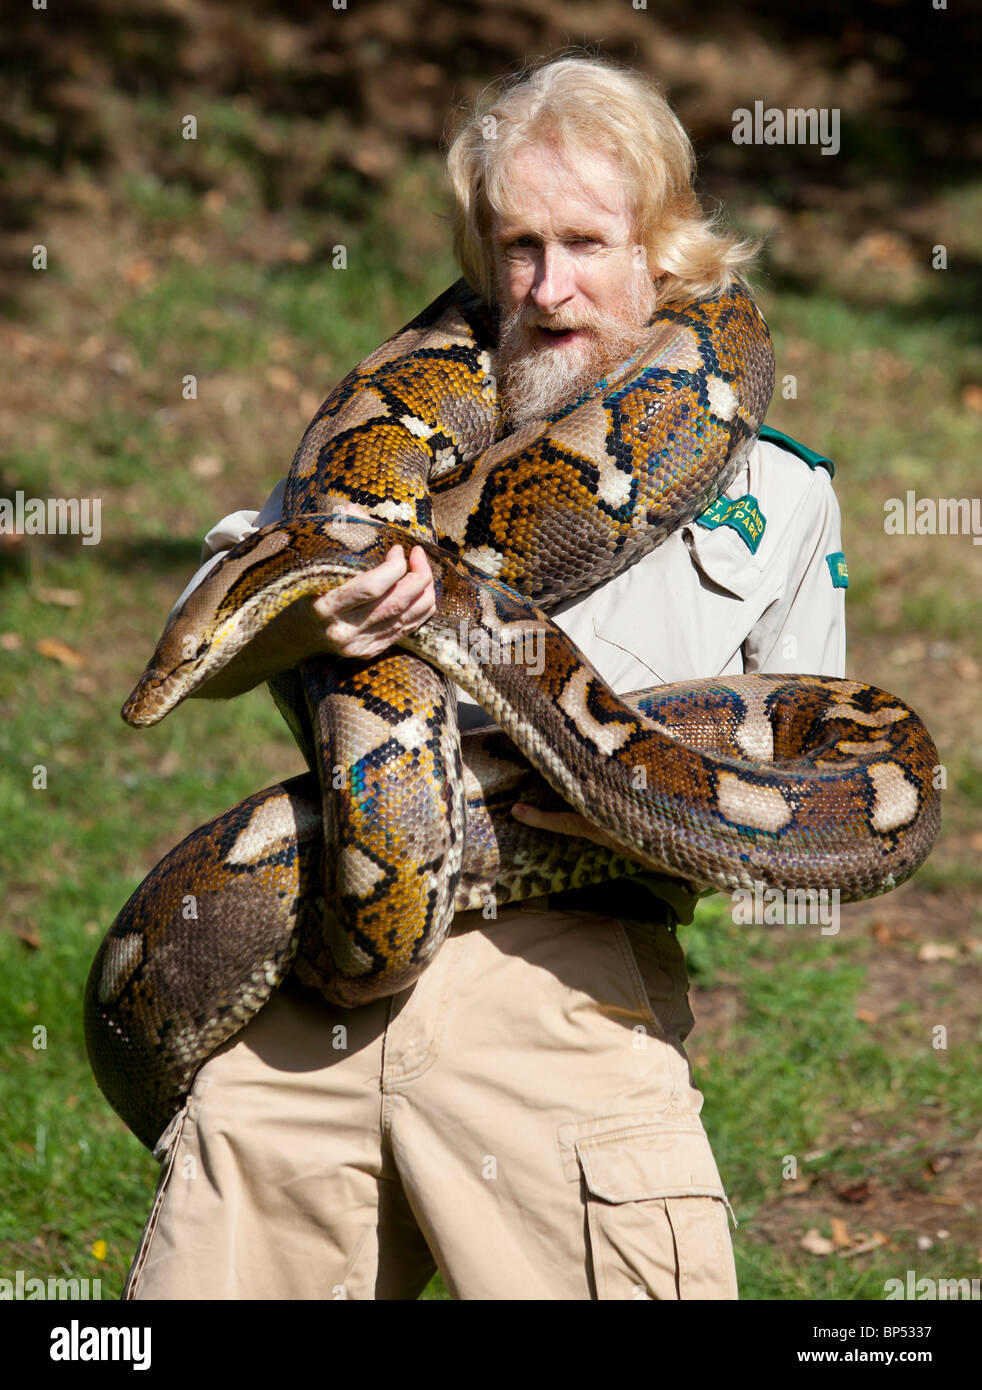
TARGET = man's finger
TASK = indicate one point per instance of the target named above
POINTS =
(364, 588)
(418, 612)
(419, 561)
(565, 823)
(416, 596)
(559, 822)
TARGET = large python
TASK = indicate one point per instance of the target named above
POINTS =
(795, 782)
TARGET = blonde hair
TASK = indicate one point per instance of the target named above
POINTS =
(582, 107)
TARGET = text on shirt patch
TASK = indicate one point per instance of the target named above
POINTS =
(838, 570)
(743, 515)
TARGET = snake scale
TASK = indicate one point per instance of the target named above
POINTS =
(351, 874)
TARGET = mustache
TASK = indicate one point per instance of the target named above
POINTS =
(522, 320)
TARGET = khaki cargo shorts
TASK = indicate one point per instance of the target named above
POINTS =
(523, 1118)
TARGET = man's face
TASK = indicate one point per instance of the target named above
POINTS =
(574, 293)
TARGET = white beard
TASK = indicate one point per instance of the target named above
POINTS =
(535, 379)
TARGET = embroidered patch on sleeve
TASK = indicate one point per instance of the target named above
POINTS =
(743, 515)
(837, 569)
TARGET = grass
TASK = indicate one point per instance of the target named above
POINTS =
(244, 296)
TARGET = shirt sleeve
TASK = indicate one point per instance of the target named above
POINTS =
(804, 629)
(229, 531)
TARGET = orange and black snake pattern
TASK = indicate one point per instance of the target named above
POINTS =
(793, 781)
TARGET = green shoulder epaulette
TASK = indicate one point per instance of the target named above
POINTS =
(809, 456)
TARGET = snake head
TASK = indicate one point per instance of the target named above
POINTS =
(253, 583)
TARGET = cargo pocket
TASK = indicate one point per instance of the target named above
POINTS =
(657, 1213)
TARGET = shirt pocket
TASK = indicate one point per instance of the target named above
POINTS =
(724, 559)
(656, 1211)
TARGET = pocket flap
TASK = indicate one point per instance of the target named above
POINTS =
(723, 558)
(630, 1165)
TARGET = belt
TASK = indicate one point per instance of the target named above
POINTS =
(617, 897)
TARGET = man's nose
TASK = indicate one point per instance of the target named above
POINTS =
(553, 284)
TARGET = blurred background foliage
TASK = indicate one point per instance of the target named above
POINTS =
(318, 128)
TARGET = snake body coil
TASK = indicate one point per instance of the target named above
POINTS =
(795, 782)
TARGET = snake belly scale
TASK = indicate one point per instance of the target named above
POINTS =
(792, 781)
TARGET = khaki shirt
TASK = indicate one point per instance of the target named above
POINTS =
(714, 599)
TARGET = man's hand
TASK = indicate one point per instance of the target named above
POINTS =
(564, 823)
(360, 618)
(367, 613)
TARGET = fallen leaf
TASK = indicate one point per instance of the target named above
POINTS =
(281, 378)
(940, 1163)
(281, 347)
(972, 396)
(57, 651)
(867, 1244)
(798, 1187)
(840, 1233)
(937, 950)
(120, 362)
(867, 1016)
(884, 250)
(65, 598)
(888, 369)
(29, 937)
(206, 466)
(11, 641)
(856, 1193)
(169, 763)
(881, 933)
(186, 247)
(815, 1243)
(139, 272)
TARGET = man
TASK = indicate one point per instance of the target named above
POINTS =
(523, 1117)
